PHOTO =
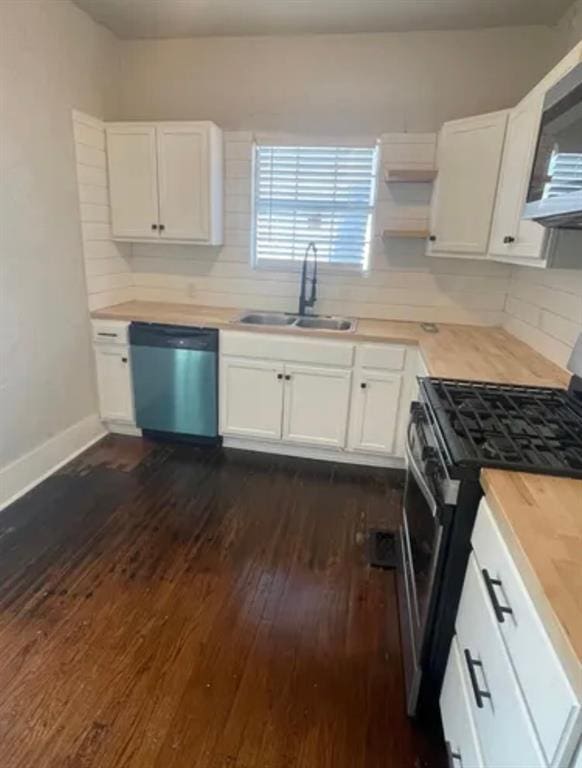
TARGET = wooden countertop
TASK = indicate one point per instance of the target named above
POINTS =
(541, 521)
(456, 351)
(541, 516)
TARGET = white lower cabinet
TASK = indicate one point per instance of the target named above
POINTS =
(271, 400)
(458, 725)
(504, 680)
(311, 392)
(114, 383)
(251, 398)
(114, 380)
(506, 734)
(316, 405)
(553, 705)
(375, 411)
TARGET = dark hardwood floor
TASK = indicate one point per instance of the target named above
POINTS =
(166, 607)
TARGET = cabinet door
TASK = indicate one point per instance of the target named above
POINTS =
(316, 405)
(513, 237)
(375, 409)
(455, 704)
(133, 190)
(251, 398)
(114, 383)
(469, 157)
(183, 162)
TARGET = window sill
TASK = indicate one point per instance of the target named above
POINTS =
(265, 265)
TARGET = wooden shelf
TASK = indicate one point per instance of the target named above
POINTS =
(416, 234)
(409, 175)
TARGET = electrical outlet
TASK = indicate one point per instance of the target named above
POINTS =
(192, 290)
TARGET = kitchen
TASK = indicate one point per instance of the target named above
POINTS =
(274, 281)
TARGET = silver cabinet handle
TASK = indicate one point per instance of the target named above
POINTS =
(452, 756)
(478, 693)
(490, 584)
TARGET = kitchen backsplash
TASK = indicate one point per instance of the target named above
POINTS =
(544, 309)
(401, 283)
(541, 307)
(107, 271)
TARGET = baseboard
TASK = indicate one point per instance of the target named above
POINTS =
(122, 428)
(307, 452)
(29, 470)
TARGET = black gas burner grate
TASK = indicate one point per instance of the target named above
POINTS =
(536, 429)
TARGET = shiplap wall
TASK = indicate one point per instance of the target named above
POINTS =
(401, 284)
(107, 270)
(544, 309)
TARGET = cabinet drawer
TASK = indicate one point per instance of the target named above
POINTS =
(110, 332)
(550, 699)
(286, 348)
(458, 725)
(391, 358)
(505, 730)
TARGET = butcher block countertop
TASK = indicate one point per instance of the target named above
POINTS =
(541, 516)
(456, 351)
(541, 521)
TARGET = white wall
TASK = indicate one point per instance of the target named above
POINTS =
(544, 309)
(52, 58)
(364, 83)
(107, 270)
(569, 30)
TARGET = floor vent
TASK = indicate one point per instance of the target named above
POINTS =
(381, 549)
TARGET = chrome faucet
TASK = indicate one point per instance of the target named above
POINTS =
(305, 303)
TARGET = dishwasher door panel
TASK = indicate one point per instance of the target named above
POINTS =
(175, 390)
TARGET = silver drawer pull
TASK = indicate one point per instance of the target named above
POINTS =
(499, 609)
(478, 693)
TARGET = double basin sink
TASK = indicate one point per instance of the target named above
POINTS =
(313, 322)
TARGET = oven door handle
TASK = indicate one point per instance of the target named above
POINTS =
(422, 484)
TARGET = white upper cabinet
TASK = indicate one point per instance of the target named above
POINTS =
(514, 239)
(468, 159)
(183, 174)
(512, 236)
(133, 180)
(166, 182)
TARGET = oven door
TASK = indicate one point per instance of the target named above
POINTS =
(421, 539)
(555, 192)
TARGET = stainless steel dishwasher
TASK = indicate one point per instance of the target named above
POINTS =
(175, 380)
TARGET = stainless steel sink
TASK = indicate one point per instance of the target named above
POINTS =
(266, 318)
(313, 322)
(325, 323)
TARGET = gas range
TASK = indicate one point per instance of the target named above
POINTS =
(519, 428)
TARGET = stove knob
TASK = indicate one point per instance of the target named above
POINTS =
(432, 468)
(429, 453)
(417, 413)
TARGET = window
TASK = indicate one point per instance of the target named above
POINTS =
(321, 194)
(565, 171)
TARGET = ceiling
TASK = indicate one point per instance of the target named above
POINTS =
(191, 18)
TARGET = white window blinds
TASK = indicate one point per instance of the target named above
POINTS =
(565, 171)
(322, 194)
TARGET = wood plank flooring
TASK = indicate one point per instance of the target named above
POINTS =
(165, 607)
